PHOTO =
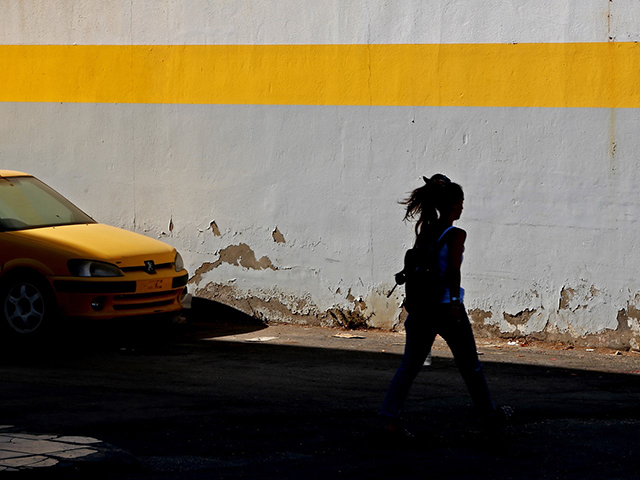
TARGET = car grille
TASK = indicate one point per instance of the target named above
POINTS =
(140, 306)
(77, 286)
(138, 301)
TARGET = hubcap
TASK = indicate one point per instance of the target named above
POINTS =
(24, 308)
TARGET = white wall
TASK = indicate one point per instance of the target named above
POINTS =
(551, 198)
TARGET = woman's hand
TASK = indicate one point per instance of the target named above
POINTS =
(455, 310)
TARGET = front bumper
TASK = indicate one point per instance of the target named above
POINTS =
(133, 294)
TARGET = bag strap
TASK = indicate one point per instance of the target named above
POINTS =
(444, 233)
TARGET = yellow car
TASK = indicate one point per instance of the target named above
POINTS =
(57, 261)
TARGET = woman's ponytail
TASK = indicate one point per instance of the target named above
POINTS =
(428, 202)
(421, 204)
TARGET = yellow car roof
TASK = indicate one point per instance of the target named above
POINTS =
(11, 173)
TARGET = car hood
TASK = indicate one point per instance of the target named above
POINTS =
(96, 241)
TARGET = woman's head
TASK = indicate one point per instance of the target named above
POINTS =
(439, 198)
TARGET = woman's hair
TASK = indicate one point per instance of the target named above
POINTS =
(431, 201)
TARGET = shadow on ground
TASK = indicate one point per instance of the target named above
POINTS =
(148, 334)
(186, 408)
(215, 319)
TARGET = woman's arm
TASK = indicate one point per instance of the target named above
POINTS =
(456, 247)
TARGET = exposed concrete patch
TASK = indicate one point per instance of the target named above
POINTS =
(359, 304)
(629, 324)
(483, 327)
(527, 323)
(566, 297)
(576, 307)
(633, 322)
(277, 236)
(618, 338)
(489, 330)
(519, 319)
(201, 270)
(579, 298)
(348, 319)
(479, 316)
(242, 255)
(239, 255)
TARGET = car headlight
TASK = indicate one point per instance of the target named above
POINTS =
(90, 268)
(178, 263)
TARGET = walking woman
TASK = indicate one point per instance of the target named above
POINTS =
(436, 205)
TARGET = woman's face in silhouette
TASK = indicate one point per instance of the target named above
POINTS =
(456, 211)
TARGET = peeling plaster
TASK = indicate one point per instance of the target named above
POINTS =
(277, 236)
(526, 322)
(585, 309)
(585, 316)
(629, 322)
(566, 296)
(238, 255)
(275, 305)
(242, 255)
(479, 316)
(375, 310)
(348, 318)
(200, 271)
(214, 228)
(519, 319)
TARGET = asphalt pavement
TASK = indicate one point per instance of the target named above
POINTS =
(221, 396)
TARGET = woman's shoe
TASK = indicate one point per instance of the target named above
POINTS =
(502, 416)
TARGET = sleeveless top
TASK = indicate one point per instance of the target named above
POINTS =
(443, 263)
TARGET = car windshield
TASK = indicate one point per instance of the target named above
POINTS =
(26, 202)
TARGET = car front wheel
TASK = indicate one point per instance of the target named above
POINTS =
(26, 305)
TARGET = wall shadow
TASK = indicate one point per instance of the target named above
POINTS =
(210, 319)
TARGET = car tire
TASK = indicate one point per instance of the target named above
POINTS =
(27, 307)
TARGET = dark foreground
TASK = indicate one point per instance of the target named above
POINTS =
(218, 398)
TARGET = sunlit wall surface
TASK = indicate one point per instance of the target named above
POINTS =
(270, 141)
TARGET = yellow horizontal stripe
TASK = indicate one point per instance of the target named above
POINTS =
(519, 75)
